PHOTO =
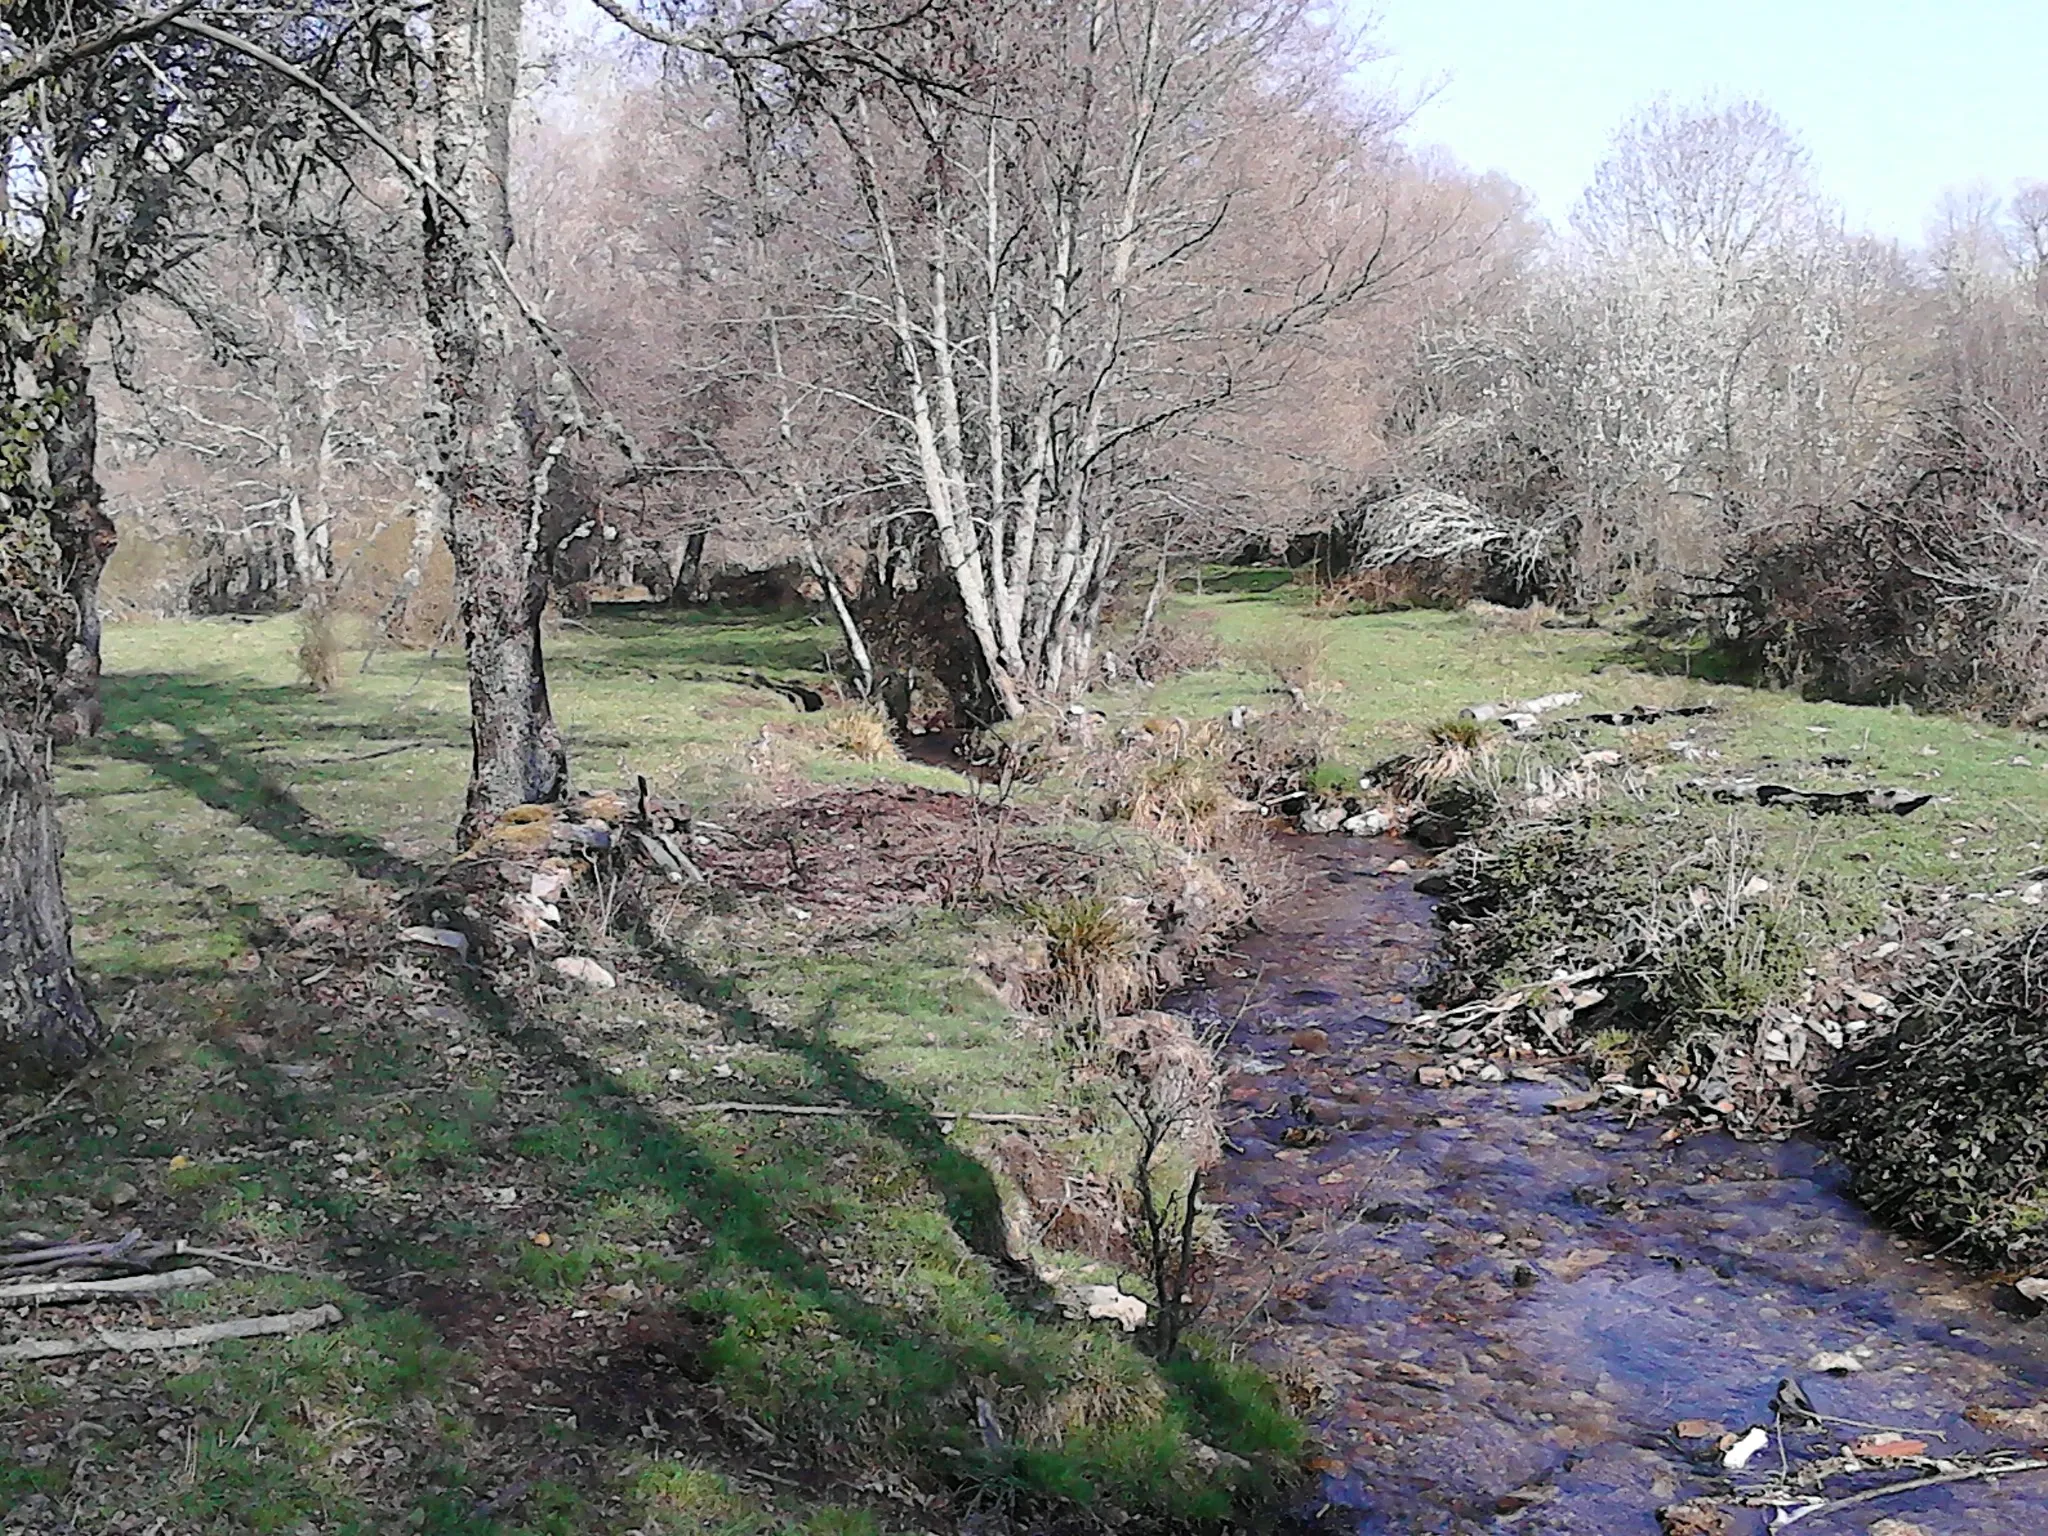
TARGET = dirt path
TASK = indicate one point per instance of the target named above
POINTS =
(1502, 1314)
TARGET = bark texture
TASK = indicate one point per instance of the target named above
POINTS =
(53, 540)
(495, 480)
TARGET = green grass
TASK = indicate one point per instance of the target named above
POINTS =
(570, 1305)
(1389, 675)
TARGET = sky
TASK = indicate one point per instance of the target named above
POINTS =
(1897, 100)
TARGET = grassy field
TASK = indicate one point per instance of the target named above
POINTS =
(571, 1305)
(1388, 676)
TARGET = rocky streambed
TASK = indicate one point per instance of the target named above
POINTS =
(1508, 1312)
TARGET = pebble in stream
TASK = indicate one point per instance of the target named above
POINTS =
(1501, 1314)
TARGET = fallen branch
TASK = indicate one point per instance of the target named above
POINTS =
(140, 1340)
(1871, 1495)
(121, 1253)
(218, 1256)
(46, 1293)
(846, 1110)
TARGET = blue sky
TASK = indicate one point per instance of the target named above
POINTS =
(1897, 99)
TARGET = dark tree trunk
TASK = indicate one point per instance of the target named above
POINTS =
(52, 543)
(682, 590)
(487, 461)
(88, 540)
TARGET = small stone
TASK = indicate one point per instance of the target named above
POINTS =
(586, 972)
(1432, 1077)
(438, 938)
(116, 1195)
(1890, 1527)
(1311, 1042)
(1105, 1303)
(1319, 819)
(2034, 1288)
(1833, 1362)
(1399, 867)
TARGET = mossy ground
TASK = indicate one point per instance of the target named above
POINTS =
(571, 1305)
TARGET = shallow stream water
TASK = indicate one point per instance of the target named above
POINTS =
(1503, 1313)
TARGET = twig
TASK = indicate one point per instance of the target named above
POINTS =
(736, 1108)
(1869, 1495)
(30, 1122)
(139, 1340)
(46, 1293)
(219, 1257)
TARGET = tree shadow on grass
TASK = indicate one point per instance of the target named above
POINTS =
(770, 1313)
(213, 720)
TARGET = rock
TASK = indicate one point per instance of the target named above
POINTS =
(1740, 1454)
(1890, 1527)
(1432, 1077)
(585, 972)
(1697, 1429)
(1696, 1517)
(547, 883)
(1313, 1042)
(1832, 1362)
(1573, 1103)
(1367, 823)
(1580, 1261)
(1398, 867)
(438, 938)
(2034, 1288)
(1319, 819)
(1885, 1448)
(1210, 1459)
(117, 1195)
(2020, 1423)
(1105, 1303)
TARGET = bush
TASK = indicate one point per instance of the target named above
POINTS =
(1945, 1123)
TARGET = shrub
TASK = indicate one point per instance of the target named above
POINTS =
(1945, 1123)
(319, 653)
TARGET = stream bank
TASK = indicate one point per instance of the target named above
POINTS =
(1497, 1316)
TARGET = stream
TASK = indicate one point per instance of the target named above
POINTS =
(1499, 1315)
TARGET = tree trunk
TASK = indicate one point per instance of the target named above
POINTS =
(87, 534)
(46, 1023)
(689, 564)
(495, 501)
(53, 540)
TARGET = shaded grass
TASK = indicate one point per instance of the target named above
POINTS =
(571, 1306)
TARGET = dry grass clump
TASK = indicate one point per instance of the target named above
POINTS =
(1183, 795)
(320, 646)
(1451, 749)
(1094, 957)
(858, 731)
(1297, 662)
(1498, 618)
(1173, 647)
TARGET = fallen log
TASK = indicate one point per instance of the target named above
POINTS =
(144, 1340)
(49, 1293)
(1820, 802)
(1527, 709)
(1646, 714)
(736, 1107)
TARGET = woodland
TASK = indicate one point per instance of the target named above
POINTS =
(656, 652)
